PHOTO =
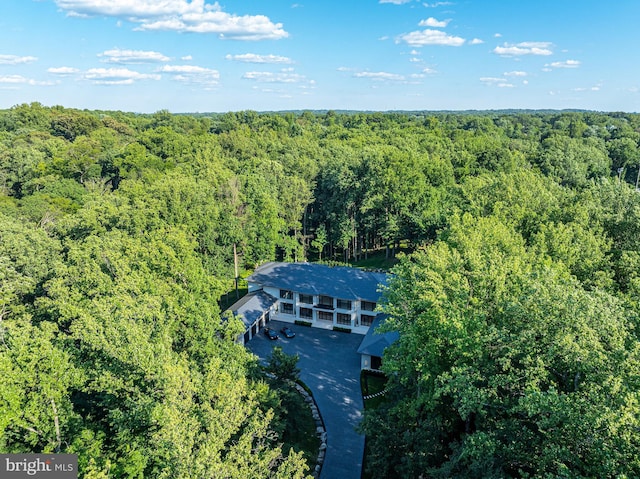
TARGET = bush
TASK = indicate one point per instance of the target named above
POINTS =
(341, 329)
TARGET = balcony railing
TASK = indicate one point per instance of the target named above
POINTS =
(328, 307)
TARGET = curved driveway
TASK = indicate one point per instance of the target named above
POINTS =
(329, 364)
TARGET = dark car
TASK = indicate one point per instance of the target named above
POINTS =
(287, 332)
(270, 333)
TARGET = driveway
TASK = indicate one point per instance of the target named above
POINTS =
(330, 365)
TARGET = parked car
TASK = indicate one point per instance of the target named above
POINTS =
(287, 332)
(270, 333)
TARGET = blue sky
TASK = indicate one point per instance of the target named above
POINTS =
(204, 56)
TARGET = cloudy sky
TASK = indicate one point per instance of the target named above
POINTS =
(200, 55)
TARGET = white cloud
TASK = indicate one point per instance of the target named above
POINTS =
(491, 80)
(13, 79)
(498, 82)
(432, 22)
(186, 58)
(116, 76)
(430, 37)
(194, 16)
(278, 77)
(63, 70)
(131, 8)
(515, 74)
(524, 48)
(132, 56)
(565, 64)
(379, 76)
(429, 71)
(192, 74)
(246, 27)
(437, 4)
(254, 58)
(20, 80)
(476, 41)
(16, 60)
(396, 2)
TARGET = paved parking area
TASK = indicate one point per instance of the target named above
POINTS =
(330, 365)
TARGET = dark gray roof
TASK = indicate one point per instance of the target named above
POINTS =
(374, 343)
(312, 278)
(252, 306)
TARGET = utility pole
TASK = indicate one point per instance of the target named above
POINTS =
(235, 268)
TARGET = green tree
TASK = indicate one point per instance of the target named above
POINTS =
(505, 367)
(320, 240)
(283, 366)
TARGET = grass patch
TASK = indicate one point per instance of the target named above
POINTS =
(299, 426)
(371, 383)
(228, 298)
(377, 259)
(299, 322)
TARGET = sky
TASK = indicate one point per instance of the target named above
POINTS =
(205, 56)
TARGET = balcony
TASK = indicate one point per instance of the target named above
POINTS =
(326, 307)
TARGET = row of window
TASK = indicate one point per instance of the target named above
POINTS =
(327, 301)
(341, 318)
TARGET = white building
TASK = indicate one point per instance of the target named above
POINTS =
(324, 296)
(319, 295)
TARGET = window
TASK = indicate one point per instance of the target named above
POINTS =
(325, 302)
(286, 294)
(286, 308)
(325, 316)
(366, 320)
(344, 319)
(344, 304)
(305, 298)
(306, 313)
(367, 305)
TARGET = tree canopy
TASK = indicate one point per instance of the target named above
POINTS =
(517, 303)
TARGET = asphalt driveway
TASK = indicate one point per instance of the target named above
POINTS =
(329, 364)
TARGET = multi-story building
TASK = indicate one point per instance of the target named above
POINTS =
(325, 296)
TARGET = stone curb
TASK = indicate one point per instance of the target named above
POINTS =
(321, 431)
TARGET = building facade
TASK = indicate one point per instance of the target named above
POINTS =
(324, 296)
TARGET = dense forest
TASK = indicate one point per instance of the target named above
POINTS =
(516, 295)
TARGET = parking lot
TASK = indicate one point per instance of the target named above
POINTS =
(330, 366)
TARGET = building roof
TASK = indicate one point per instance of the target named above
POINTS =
(375, 343)
(313, 278)
(252, 306)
